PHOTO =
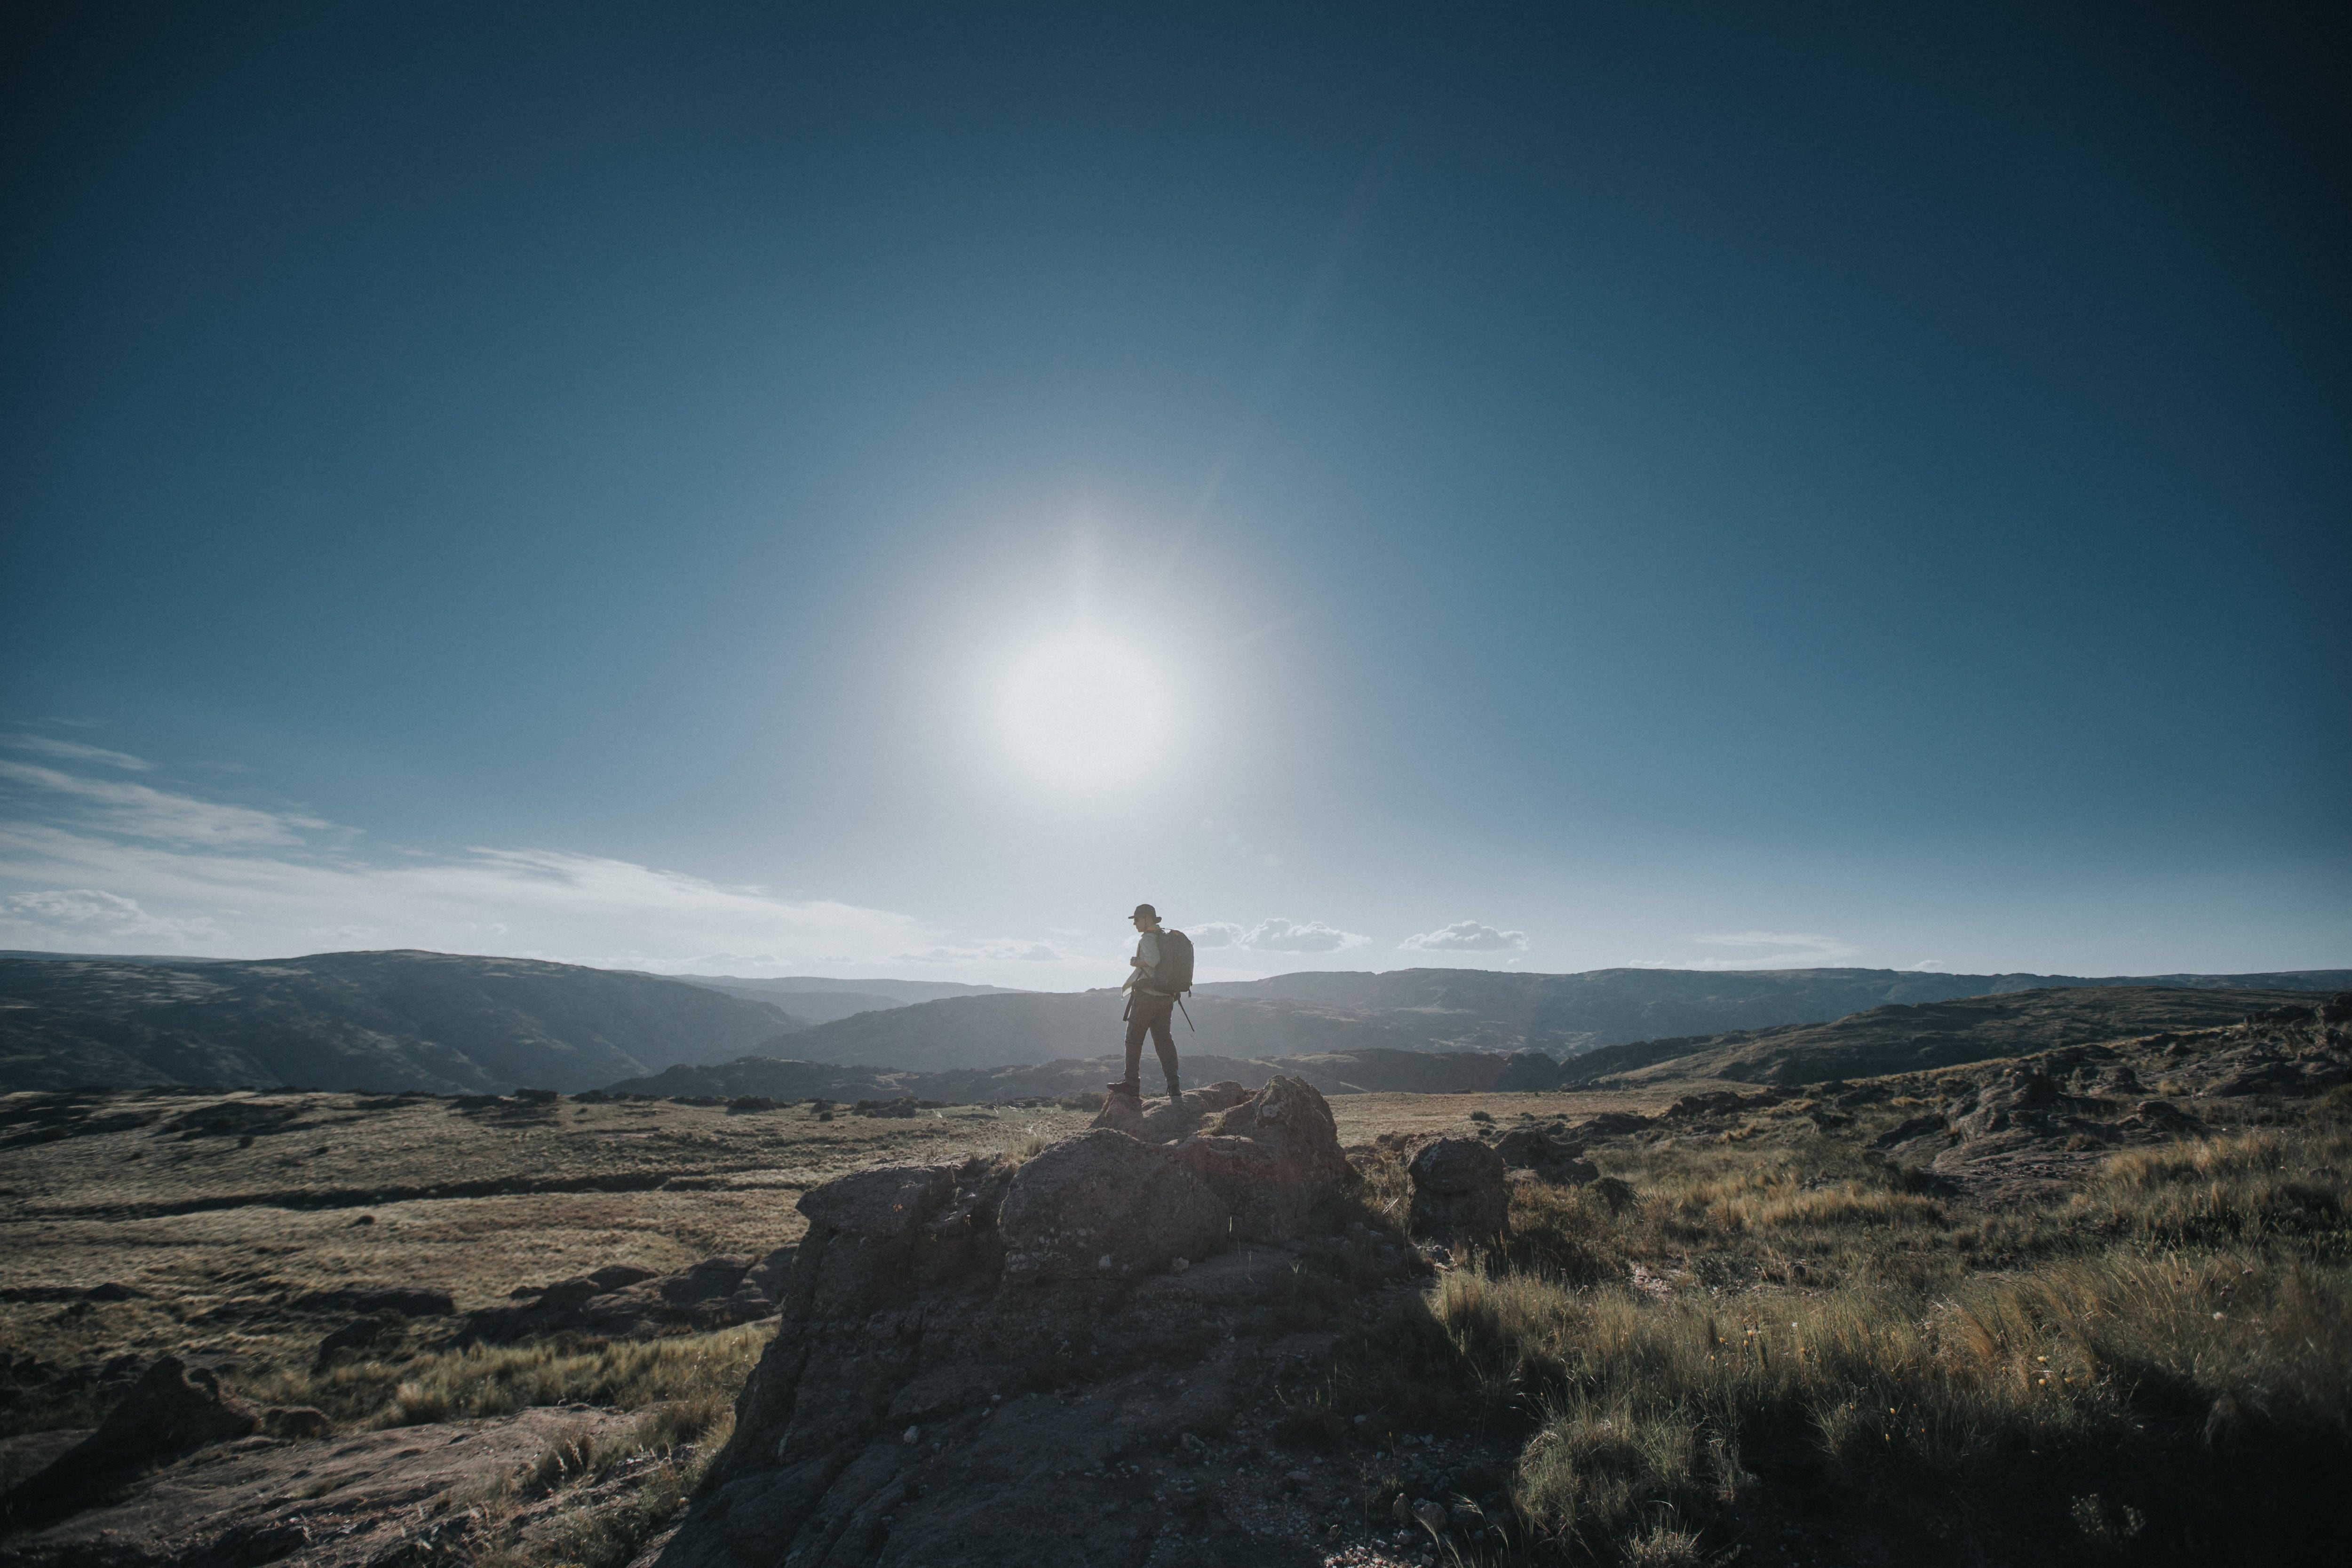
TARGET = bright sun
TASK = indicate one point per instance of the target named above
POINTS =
(1083, 711)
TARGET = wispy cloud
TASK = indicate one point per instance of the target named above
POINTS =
(1275, 935)
(1468, 936)
(1016, 950)
(107, 865)
(39, 920)
(1772, 949)
(135, 810)
(74, 751)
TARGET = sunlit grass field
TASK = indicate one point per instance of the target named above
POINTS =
(1724, 1339)
(2156, 1368)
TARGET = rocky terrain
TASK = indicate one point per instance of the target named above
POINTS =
(1259, 1325)
(438, 1022)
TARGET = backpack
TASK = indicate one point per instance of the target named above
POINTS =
(1173, 975)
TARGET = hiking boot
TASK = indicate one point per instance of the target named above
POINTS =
(1175, 1095)
(1121, 1086)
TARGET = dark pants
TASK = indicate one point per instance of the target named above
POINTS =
(1147, 1013)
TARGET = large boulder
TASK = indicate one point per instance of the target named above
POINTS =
(1160, 1120)
(880, 1201)
(1104, 1205)
(1458, 1191)
(174, 1408)
(1535, 1150)
(875, 1234)
(1270, 1160)
(1150, 1122)
(941, 1331)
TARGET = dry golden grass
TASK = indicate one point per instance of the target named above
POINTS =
(496, 1380)
(218, 1239)
(2185, 1319)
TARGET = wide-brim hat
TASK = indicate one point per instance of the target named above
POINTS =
(1144, 913)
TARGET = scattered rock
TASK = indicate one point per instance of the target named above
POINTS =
(1721, 1103)
(363, 1333)
(2019, 1090)
(407, 1302)
(232, 1118)
(622, 1301)
(173, 1409)
(1917, 1127)
(707, 1280)
(1459, 1192)
(295, 1421)
(365, 1502)
(1535, 1150)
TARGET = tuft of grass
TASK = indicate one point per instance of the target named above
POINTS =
(498, 1380)
(1664, 1546)
(2175, 1346)
(2243, 1189)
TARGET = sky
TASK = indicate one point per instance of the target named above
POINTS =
(882, 489)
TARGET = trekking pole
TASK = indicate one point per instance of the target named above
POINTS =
(1188, 1015)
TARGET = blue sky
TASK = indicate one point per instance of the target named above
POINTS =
(882, 489)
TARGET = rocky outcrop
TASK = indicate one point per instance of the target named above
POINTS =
(1104, 1205)
(2021, 1095)
(1271, 1160)
(375, 1499)
(172, 1410)
(1458, 1192)
(1537, 1151)
(1269, 1157)
(623, 1301)
(974, 1361)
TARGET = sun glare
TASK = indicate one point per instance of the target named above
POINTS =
(1085, 711)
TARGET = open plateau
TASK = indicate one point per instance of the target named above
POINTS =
(2052, 1271)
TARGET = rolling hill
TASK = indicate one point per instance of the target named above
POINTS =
(1912, 1039)
(1905, 1037)
(1474, 1010)
(1333, 1072)
(431, 1021)
(817, 999)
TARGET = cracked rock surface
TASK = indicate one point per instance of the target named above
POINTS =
(1004, 1364)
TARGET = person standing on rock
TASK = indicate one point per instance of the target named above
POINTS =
(1159, 973)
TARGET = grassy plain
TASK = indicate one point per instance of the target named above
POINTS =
(1759, 1334)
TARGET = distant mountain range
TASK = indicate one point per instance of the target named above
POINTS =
(358, 1020)
(1914, 1038)
(1333, 1072)
(1475, 1010)
(451, 1022)
(1907, 1037)
(821, 1000)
